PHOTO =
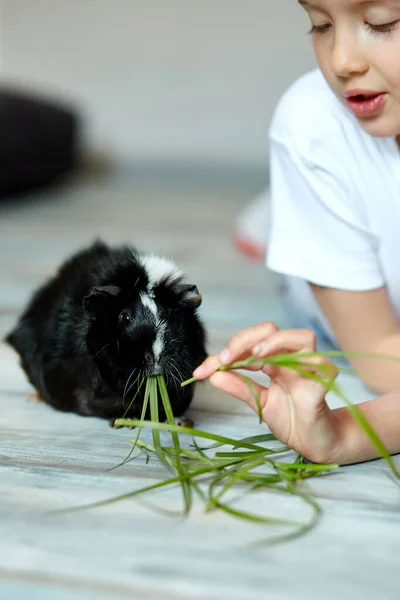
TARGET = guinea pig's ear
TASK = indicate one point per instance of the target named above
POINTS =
(188, 295)
(100, 298)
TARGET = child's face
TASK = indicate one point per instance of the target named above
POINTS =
(357, 43)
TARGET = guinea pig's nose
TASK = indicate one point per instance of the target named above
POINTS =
(149, 358)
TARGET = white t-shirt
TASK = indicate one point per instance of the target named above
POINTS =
(335, 199)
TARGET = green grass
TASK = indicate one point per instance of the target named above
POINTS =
(211, 472)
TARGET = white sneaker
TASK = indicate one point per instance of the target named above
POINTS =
(251, 227)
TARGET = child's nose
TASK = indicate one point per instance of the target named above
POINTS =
(347, 57)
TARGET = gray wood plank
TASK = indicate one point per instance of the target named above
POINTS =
(50, 460)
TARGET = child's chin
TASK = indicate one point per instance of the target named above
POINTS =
(383, 126)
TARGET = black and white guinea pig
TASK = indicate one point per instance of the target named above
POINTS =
(109, 317)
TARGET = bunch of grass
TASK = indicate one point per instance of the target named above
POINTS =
(248, 464)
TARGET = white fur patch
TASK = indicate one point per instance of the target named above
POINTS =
(149, 303)
(159, 268)
(158, 345)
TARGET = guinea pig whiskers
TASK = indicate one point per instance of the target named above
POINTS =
(173, 366)
(168, 375)
(140, 376)
(179, 371)
(101, 350)
(126, 389)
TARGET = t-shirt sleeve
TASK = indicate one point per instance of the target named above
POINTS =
(317, 230)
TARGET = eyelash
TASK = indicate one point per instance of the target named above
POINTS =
(387, 28)
(374, 29)
(318, 29)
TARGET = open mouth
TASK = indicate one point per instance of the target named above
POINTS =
(366, 105)
(363, 97)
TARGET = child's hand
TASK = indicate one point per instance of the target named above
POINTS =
(294, 407)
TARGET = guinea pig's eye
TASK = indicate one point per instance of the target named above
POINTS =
(124, 318)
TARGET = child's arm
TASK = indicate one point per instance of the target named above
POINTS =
(365, 322)
(294, 407)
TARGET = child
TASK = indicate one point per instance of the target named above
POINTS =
(335, 185)
(334, 234)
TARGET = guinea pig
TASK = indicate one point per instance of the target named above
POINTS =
(108, 318)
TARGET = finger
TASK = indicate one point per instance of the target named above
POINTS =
(213, 363)
(233, 385)
(207, 367)
(286, 341)
(241, 344)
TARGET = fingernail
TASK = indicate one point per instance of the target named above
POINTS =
(225, 355)
(259, 349)
(198, 372)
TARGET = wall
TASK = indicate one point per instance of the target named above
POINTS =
(179, 80)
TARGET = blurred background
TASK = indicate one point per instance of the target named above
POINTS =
(181, 82)
(149, 118)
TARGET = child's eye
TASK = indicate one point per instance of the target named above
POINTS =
(385, 28)
(320, 28)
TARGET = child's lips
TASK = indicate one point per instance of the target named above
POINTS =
(365, 103)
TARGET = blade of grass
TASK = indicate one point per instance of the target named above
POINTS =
(154, 415)
(315, 468)
(185, 453)
(199, 491)
(247, 516)
(148, 448)
(303, 529)
(186, 489)
(202, 454)
(254, 439)
(155, 486)
(259, 480)
(213, 500)
(230, 468)
(186, 430)
(188, 382)
(144, 409)
(285, 360)
(236, 472)
(358, 416)
(251, 385)
(266, 451)
(134, 443)
(151, 386)
(363, 422)
(296, 358)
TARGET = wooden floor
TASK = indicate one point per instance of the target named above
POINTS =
(50, 460)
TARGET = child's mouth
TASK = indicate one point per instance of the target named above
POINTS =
(366, 105)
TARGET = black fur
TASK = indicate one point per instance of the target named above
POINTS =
(86, 338)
